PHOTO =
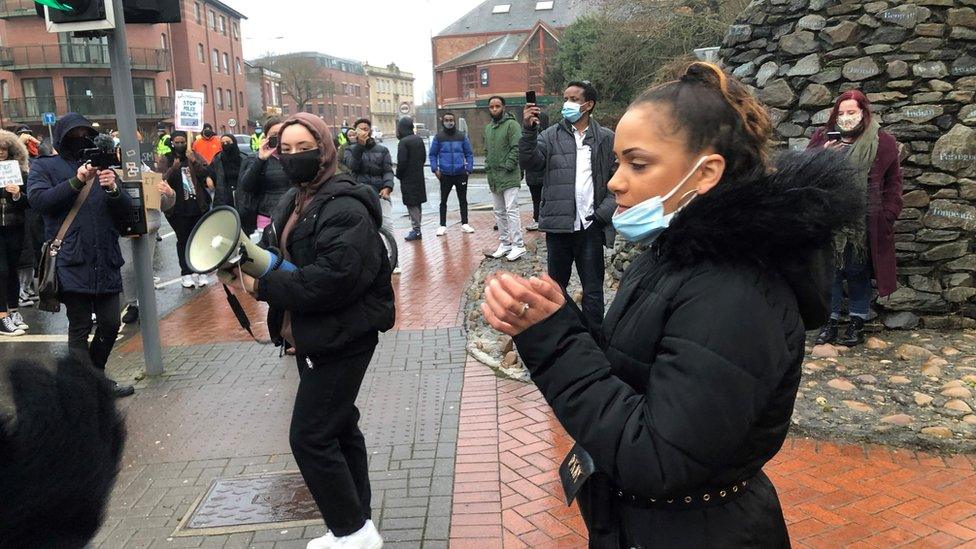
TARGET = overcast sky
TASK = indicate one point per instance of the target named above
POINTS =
(377, 31)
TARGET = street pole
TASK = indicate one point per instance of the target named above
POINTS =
(125, 112)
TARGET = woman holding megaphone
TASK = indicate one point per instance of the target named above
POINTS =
(331, 309)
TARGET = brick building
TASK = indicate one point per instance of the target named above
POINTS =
(501, 47)
(54, 72)
(207, 57)
(264, 93)
(337, 91)
(390, 96)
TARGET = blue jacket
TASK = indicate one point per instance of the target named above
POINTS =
(451, 153)
(90, 259)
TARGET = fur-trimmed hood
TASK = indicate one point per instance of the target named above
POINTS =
(18, 152)
(783, 221)
(794, 209)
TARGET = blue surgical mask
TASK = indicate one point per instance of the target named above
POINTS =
(646, 221)
(572, 111)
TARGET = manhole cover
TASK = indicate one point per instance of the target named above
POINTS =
(243, 504)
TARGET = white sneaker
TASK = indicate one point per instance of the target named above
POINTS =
(200, 280)
(366, 538)
(442, 230)
(516, 253)
(502, 251)
(467, 228)
(18, 320)
(324, 542)
(8, 328)
(188, 281)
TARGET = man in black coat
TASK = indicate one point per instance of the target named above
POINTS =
(411, 153)
(576, 159)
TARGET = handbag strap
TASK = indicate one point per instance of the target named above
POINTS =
(82, 196)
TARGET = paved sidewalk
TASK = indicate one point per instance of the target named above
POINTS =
(458, 456)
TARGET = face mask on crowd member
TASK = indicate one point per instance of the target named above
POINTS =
(228, 145)
(178, 143)
(849, 117)
(575, 104)
(448, 122)
(207, 131)
(301, 156)
(671, 152)
(75, 142)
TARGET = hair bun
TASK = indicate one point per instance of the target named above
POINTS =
(708, 74)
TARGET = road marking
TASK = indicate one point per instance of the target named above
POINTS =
(167, 235)
(162, 285)
(46, 338)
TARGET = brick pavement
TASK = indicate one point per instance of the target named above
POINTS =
(486, 474)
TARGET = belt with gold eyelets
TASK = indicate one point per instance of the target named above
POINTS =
(699, 500)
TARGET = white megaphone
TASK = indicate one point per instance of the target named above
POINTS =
(217, 242)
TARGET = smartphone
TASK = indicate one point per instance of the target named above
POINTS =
(530, 97)
(833, 136)
(273, 142)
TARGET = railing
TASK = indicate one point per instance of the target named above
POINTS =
(14, 58)
(94, 106)
(17, 8)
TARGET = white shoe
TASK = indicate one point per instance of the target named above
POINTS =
(366, 538)
(502, 251)
(200, 280)
(188, 281)
(467, 228)
(397, 271)
(8, 328)
(18, 320)
(442, 230)
(516, 253)
(325, 542)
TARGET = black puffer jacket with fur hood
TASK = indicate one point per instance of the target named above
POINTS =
(12, 211)
(690, 386)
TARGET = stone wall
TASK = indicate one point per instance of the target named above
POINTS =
(916, 61)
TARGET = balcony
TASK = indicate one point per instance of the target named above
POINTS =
(95, 106)
(17, 8)
(86, 56)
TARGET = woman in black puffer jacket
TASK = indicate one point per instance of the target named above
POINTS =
(13, 203)
(263, 178)
(688, 390)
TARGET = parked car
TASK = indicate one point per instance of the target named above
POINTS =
(243, 143)
(377, 135)
(421, 130)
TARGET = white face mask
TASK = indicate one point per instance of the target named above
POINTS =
(849, 122)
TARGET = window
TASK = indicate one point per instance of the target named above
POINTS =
(285, 109)
(230, 99)
(240, 70)
(321, 109)
(235, 31)
(200, 54)
(501, 8)
(223, 25)
(219, 97)
(196, 11)
(226, 63)
(211, 20)
(4, 90)
(358, 92)
(38, 96)
(539, 6)
(345, 110)
(359, 111)
(206, 96)
(162, 41)
(215, 57)
(90, 95)
(169, 88)
(240, 99)
(144, 92)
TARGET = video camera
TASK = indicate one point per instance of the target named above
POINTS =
(103, 155)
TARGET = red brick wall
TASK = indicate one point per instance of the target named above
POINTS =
(449, 47)
(341, 99)
(503, 79)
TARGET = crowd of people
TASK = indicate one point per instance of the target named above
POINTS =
(674, 414)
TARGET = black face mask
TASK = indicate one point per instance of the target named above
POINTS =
(228, 148)
(301, 167)
(208, 133)
(72, 147)
(180, 150)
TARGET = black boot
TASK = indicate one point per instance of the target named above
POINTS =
(828, 334)
(855, 333)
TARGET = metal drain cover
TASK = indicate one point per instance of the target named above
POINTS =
(243, 504)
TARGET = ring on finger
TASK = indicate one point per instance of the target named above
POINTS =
(525, 307)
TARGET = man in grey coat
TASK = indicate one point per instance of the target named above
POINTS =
(576, 159)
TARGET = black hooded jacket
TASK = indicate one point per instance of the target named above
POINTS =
(411, 155)
(341, 296)
(691, 384)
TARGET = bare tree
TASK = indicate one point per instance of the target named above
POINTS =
(299, 77)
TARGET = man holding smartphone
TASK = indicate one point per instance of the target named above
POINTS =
(90, 260)
(576, 160)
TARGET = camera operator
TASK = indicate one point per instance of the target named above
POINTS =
(89, 261)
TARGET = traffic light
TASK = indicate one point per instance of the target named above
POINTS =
(89, 15)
